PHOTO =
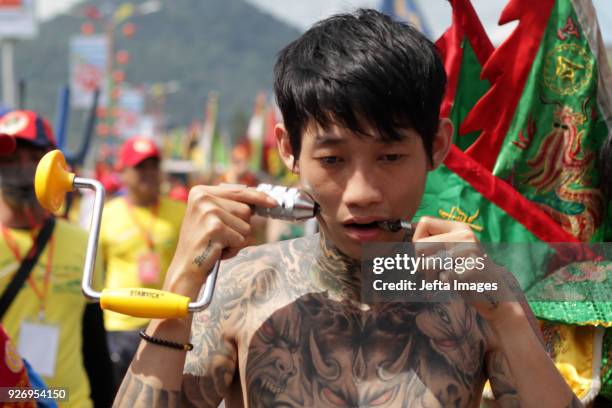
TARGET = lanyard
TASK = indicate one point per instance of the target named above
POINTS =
(41, 294)
(147, 233)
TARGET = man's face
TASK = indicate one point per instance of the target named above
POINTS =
(17, 172)
(358, 181)
(144, 179)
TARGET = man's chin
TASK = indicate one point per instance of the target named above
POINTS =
(351, 248)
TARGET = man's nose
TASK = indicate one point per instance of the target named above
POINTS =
(362, 189)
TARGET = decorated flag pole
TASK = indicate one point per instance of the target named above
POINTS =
(88, 132)
(61, 117)
(76, 158)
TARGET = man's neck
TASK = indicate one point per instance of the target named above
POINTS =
(336, 272)
(140, 201)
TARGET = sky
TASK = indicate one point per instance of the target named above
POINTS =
(302, 13)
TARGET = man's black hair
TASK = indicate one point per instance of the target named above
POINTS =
(364, 72)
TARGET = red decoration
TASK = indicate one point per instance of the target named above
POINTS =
(118, 76)
(102, 129)
(494, 112)
(116, 94)
(122, 57)
(465, 25)
(87, 28)
(129, 29)
(92, 13)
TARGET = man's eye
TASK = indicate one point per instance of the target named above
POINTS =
(329, 160)
(392, 157)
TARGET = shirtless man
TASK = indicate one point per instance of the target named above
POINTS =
(360, 97)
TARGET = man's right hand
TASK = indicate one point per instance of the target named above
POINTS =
(217, 223)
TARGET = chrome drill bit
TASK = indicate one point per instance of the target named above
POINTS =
(396, 225)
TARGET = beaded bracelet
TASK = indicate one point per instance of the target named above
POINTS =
(165, 343)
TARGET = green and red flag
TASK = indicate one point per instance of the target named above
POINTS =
(548, 113)
(535, 156)
(524, 165)
(466, 48)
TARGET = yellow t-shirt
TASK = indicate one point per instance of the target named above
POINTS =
(123, 243)
(64, 303)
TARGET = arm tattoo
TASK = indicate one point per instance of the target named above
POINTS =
(135, 393)
(199, 260)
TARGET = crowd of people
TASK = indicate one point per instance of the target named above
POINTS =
(72, 344)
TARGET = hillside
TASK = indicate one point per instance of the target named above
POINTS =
(224, 45)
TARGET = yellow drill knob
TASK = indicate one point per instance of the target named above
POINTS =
(53, 180)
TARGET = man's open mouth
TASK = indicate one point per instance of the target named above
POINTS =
(363, 231)
(362, 226)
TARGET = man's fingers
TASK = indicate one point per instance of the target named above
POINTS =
(216, 219)
(235, 193)
(233, 239)
(238, 224)
(221, 233)
(429, 248)
(450, 244)
(435, 227)
(238, 209)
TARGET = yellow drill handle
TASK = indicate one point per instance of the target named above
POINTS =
(143, 302)
(53, 181)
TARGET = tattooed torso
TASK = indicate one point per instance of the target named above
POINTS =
(287, 330)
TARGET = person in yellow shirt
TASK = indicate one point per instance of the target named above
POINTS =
(138, 238)
(54, 328)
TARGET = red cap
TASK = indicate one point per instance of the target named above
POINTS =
(135, 150)
(25, 125)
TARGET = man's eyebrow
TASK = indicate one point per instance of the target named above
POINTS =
(328, 140)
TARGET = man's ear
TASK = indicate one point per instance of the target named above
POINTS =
(284, 148)
(442, 142)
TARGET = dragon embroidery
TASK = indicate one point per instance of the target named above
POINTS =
(561, 167)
